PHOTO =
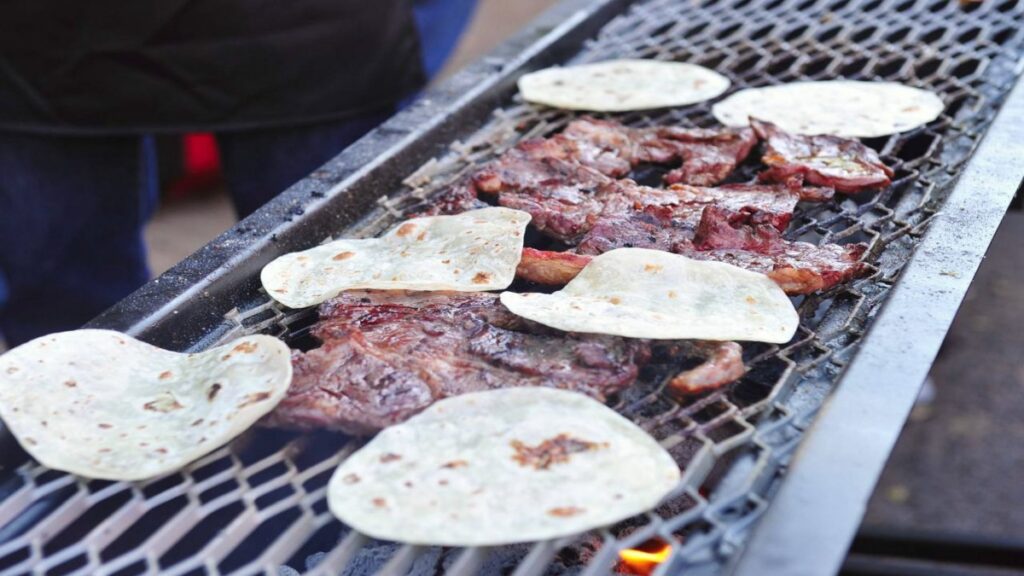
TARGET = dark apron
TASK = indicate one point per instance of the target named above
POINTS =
(130, 66)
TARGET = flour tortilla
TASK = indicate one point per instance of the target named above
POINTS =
(622, 85)
(840, 107)
(641, 293)
(103, 405)
(450, 476)
(474, 251)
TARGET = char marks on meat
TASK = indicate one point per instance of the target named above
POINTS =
(555, 179)
(844, 164)
(666, 219)
(741, 239)
(387, 355)
(708, 156)
(747, 238)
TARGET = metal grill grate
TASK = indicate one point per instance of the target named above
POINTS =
(260, 504)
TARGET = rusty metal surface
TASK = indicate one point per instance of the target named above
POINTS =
(259, 504)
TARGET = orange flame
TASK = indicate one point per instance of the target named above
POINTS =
(643, 561)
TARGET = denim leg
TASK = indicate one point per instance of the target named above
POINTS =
(260, 164)
(440, 24)
(71, 217)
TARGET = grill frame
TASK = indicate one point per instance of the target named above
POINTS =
(184, 308)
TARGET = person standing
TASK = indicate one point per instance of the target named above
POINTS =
(84, 86)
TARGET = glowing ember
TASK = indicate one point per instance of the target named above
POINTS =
(644, 559)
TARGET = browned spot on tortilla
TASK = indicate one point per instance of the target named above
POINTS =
(164, 405)
(390, 457)
(161, 450)
(408, 484)
(351, 479)
(143, 444)
(31, 441)
(104, 450)
(70, 383)
(197, 422)
(565, 511)
(343, 255)
(442, 482)
(751, 300)
(43, 422)
(481, 278)
(615, 300)
(421, 236)
(380, 502)
(652, 267)
(245, 348)
(105, 426)
(455, 464)
(165, 374)
(253, 398)
(212, 392)
(446, 261)
(672, 294)
(12, 369)
(555, 450)
(405, 229)
(281, 290)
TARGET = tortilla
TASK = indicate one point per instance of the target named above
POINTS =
(840, 107)
(622, 85)
(103, 405)
(501, 467)
(641, 293)
(474, 251)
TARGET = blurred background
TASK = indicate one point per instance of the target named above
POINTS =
(187, 221)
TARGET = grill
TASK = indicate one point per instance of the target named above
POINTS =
(259, 504)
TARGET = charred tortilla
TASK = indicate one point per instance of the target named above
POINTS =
(500, 467)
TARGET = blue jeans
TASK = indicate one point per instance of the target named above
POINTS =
(72, 211)
(72, 208)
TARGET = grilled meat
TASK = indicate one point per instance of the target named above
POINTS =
(555, 178)
(844, 164)
(708, 156)
(741, 239)
(387, 355)
(723, 362)
(550, 268)
(662, 219)
(747, 238)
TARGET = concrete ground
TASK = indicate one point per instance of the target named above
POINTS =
(959, 464)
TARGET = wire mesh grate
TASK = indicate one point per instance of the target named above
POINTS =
(259, 504)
